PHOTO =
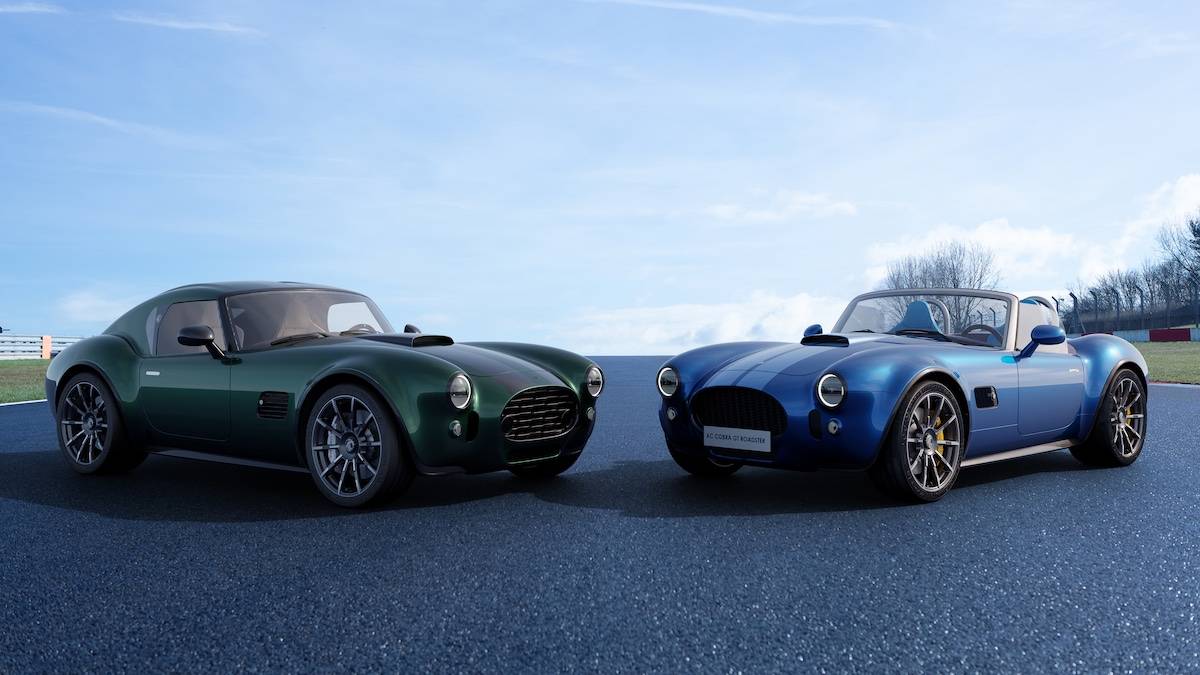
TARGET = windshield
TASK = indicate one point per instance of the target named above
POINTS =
(260, 320)
(962, 317)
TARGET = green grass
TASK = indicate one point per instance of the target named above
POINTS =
(22, 380)
(1172, 361)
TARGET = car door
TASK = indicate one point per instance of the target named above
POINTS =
(1051, 392)
(263, 389)
(184, 391)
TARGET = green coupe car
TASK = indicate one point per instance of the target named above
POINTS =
(314, 379)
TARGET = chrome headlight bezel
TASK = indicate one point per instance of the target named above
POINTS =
(671, 386)
(833, 401)
(593, 381)
(459, 391)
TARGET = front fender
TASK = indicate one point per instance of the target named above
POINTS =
(409, 381)
(567, 366)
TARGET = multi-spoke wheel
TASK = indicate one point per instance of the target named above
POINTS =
(90, 434)
(924, 449)
(354, 451)
(1120, 428)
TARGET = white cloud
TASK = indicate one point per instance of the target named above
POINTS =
(182, 24)
(1135, 241)
(1020, 252)
(1174, 201)
(1033, 256)
(671, 329)
(31, 8)
(783, 206)
(758, 16)
(98, 305)
(131, 128)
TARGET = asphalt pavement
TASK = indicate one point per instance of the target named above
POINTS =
(624, 564)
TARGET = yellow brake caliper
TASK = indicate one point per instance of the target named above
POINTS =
(941, 436)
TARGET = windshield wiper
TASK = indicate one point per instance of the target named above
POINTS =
(863, 330)
(923, 332)
(297, 338)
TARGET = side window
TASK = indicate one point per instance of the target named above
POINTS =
(181, 315)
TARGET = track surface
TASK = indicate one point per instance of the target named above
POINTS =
(623, 564)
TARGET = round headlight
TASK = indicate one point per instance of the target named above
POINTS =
(460, 391)
(668, 382)
(595, 381)
(831, 390)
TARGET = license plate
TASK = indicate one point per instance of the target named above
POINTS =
(751, 440)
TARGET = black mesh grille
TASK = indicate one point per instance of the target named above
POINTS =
(739, 408)
(539, 413)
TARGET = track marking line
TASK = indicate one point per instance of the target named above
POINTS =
(40, 400)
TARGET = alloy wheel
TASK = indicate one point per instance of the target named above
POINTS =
(1128, 418)
(933, 442)
(84, 423)
(346, 446)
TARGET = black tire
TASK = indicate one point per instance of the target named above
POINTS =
(919, 463)
(704, 466)
(91, 435)
(369, 442)
(545, 470)
(1118, 434)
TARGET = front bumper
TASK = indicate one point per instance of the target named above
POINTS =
(482, 447)
(806, 444)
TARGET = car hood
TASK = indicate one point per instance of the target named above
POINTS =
(800, 358)
(474, 361)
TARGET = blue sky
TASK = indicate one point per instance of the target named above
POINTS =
(632, 176)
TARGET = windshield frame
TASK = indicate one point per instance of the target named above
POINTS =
(1010, 335)
(227, 315)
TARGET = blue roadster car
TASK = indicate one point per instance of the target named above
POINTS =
(911, 385)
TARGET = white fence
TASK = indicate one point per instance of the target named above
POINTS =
(33, 346)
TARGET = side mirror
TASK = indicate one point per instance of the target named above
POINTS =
(814, 329)
(409, 328)
(1044, 334)
(200, 336)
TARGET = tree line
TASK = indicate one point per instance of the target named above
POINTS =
(1163, 292)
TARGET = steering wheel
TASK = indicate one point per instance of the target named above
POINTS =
(984, 327)
(363, 327)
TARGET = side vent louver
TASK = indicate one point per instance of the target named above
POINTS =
(273, 405)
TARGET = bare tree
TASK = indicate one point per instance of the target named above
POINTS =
(1181, 244)
(946, 265)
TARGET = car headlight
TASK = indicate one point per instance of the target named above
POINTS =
(460, 391)
(668, 382)
(831, 390)
(594, 379)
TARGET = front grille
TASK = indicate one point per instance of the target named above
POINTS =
(739, 408)
(539, 413)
